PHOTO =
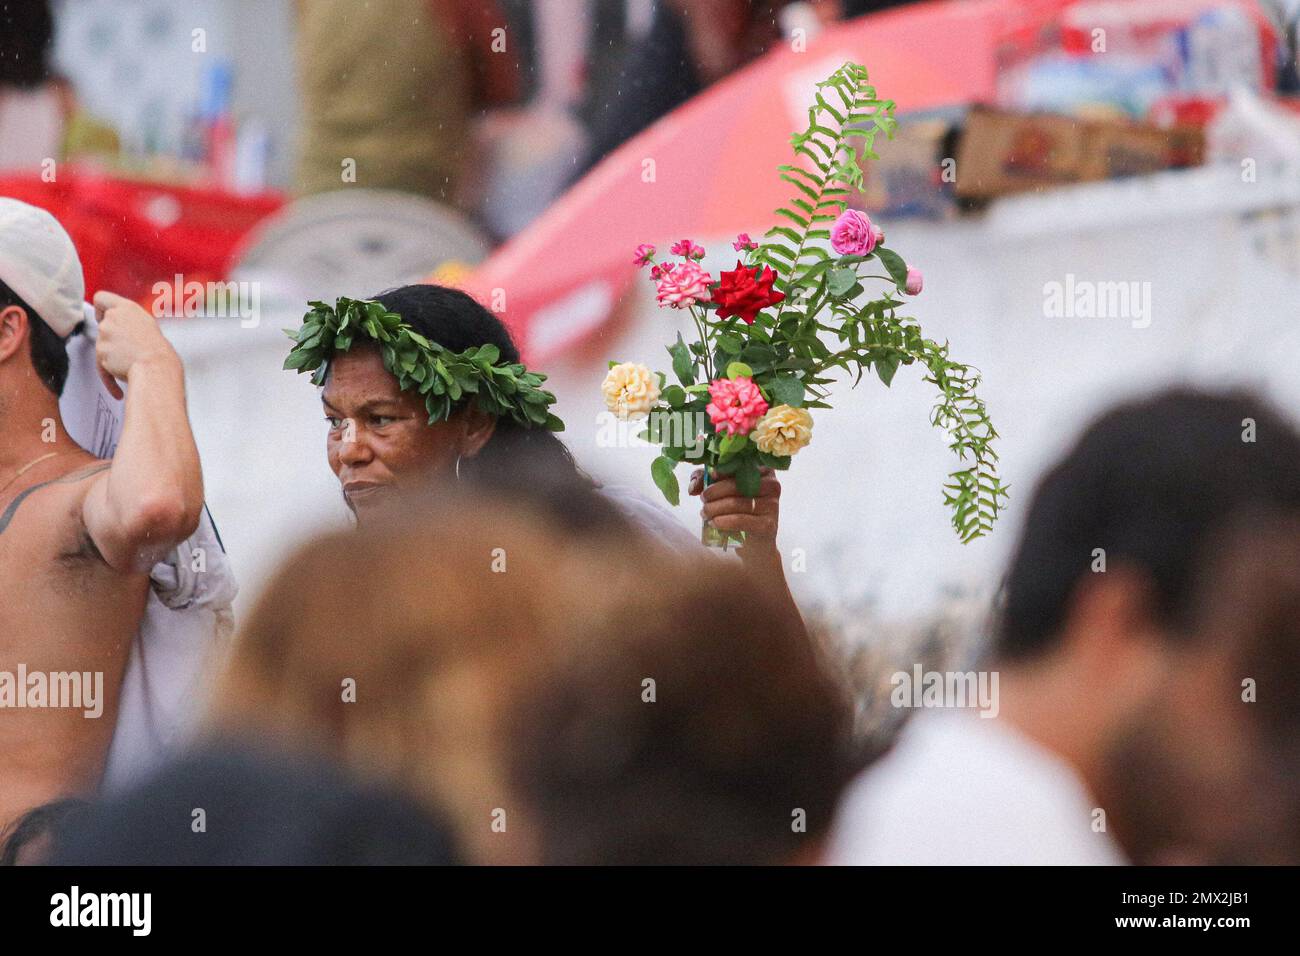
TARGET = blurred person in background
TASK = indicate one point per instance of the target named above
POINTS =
(1100, 608)
(688, 46)
(35, 105)
(40, 117)
(415, 657)
(380, 443)
(392, 86)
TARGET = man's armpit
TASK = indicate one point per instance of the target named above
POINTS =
(70, 478)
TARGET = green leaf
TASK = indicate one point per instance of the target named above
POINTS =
(674, 395)
(661, 470)
(748, 478)
(787, 390)
(732, 444)
(683, 367)
(894, 265)
(886, 365)
(739, 369)
(841, 281)
(731, 344)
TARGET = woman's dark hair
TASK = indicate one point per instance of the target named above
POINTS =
(26, 34)
(457, 321)
(49, 352)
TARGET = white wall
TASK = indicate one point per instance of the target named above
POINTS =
(1223, 260)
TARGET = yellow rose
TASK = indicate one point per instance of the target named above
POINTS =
(630, 390)
(783, 430)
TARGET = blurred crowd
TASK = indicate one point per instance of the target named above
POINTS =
(515, 673)
(512, 115)
(505, 666)
(491, 106)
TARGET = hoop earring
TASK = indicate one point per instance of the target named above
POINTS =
(458, 467)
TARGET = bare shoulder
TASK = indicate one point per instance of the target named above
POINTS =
(51, 508)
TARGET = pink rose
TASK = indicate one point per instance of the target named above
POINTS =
(853, 234)
(915, 282)
(687, 249)
(661, 269)
(645, 253)
(743, 242)
(737, 405)
(683, 286)
(878, 233)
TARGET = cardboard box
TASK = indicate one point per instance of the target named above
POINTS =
(911, 178)
(1002, 153)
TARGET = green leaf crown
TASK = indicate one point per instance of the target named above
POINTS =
(447, 380)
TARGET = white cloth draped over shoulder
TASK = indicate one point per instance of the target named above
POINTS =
(655, 521)
(188, 621)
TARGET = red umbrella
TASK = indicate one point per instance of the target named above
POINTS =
(708, 169)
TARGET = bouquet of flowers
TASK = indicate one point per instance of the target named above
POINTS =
(772, 331)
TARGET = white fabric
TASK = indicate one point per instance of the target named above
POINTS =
(40, 263)
(965, 790)
(188, 620)
(31, 127)
(658, 523)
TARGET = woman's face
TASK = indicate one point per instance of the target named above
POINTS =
(380, 441)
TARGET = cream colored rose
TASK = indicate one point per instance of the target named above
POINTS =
(630, 390)
(783, 430)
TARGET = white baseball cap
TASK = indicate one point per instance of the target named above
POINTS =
(40, 263)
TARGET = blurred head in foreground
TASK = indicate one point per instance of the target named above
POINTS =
(1131, 611)
(561, 695)
(244, 803)
(29, 839)
(1154, 583)
(1209, 771)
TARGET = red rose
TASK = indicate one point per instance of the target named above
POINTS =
(745, 293)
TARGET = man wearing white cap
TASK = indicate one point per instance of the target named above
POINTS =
(78, 535)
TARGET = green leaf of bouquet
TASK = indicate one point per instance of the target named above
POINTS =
(683, 367)
(661, 470)
(886, 365)
(787, 390)
(674, 395)
(732, 444)
(841, 281)
(739, 369)
(779, 462)
(730, 343)
(894, 264)
(748, 478)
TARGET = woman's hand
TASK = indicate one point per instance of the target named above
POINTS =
(728, 510)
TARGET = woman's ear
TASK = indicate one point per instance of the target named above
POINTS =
(479, 426)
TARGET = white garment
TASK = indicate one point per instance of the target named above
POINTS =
(961, 789)
(187, 621)
(657, 522)
(31, 128)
